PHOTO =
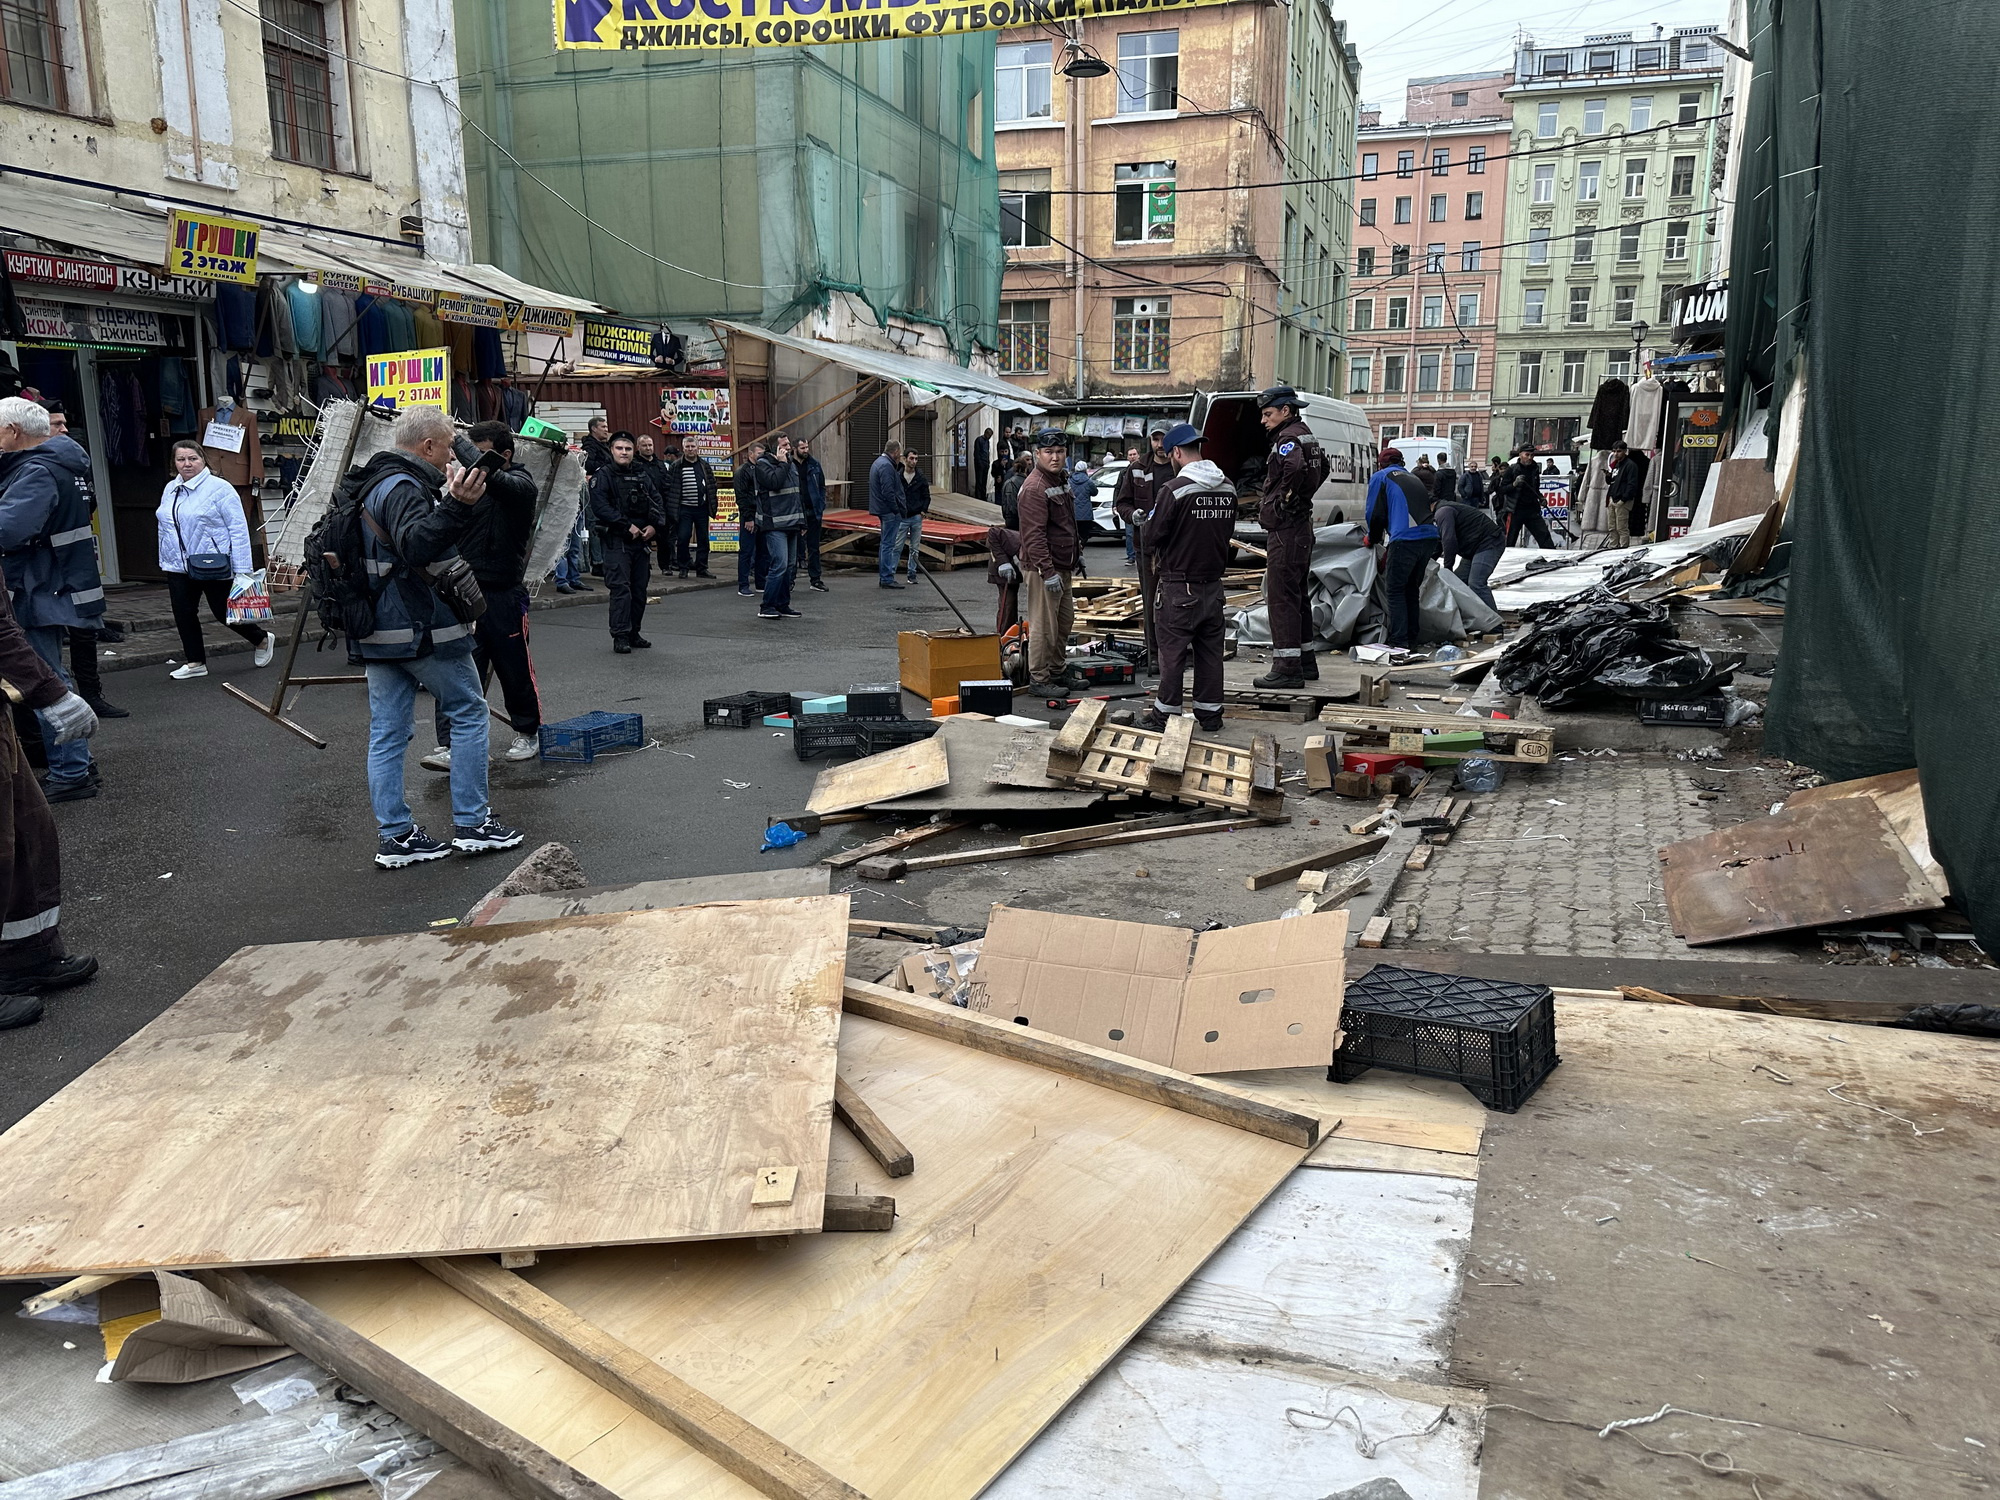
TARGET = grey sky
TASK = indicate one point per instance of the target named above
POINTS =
(1404, 39)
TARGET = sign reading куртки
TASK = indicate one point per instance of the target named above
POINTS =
(687, 25)
(416, 377)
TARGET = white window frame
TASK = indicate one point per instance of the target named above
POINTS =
(1431, 313)
(1430, 367)
(1008, 322)
(1593, 116)
(1548, 120)
(1535, 307)
(1625, 296)
(1545, 183)
(1618, 363)
(1640, 115)
(1465, 363)
(1398, 313)
(1363, 320)
(1678, 234)
(1468, 309)
(1538, 246)
(1395, 374)
(1589, 181)
(1635, 177)
(1461, 433)
(1579, 310)
(1138, 73)
(1528, 374)
(1575, 363)
(1017, 64)
(1157, 315)
(1361, 375)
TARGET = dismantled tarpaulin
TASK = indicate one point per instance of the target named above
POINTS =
(1597, 645)
(1350, 602)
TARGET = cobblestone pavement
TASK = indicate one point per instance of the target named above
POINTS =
(1566, 860)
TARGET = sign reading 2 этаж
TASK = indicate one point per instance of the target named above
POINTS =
(687, 25)
(416, 377)
(212, 248)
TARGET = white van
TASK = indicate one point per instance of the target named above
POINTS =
(1233, 438)
(1440, 451)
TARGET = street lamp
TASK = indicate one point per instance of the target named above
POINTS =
(1639, 332)
(1082, 62)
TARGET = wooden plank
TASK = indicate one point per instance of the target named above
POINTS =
(1375, 933)
(1427, 1135)
(704, 1424)
(1169, 762)
(73, 1290)
(853, 1111)
(291, 1107)
(859, 1213)
(1852, 1012)
(1067, 749)
(847, 858)
(1125, 1075)
(1323, 859)
(1058, 836)
(1418, 857)
(915, 1366)
(1830, 862)
(653, 895)
(1264, 764)
(902, 772)
(889, 867)
(974, 748)
(519, 1466)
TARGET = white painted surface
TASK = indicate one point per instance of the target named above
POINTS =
(1583, 574)
(430, 58)
(202, 36)
(1338, 1293)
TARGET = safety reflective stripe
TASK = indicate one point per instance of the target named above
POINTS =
(389, 638)
(1165, 707)
(1285, 651)
(86, 596)
(64, 538)
(1208, 708)
(451, 633)
(26, 927)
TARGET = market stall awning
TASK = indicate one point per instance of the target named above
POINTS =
(925, 379)
(130, 228)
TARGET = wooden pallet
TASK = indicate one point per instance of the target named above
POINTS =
(1401, 731)
(1169, 764)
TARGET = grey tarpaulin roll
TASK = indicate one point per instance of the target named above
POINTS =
(1349, 602)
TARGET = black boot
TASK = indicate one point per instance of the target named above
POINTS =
(1284, 673)
(1309, 666)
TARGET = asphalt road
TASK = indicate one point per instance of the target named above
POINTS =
(216, 829)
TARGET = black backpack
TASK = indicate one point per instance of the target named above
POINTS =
(335, 564)
(1416, 496)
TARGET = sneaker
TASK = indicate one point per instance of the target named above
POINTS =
(74, 791)
(889, 583)
(640, 643)
(413, 848)
(20, 1010)
(746, 593)
(189, 669)
(266, 649)
(56, 974)
(438, 760)
(815, 583)
(791, 614)
(769, 614)
(524, 747)
(487, 836)
(105, 710)
(621, 646)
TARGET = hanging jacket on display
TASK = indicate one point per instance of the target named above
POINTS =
(235, 315)
(304, 307)
(1642, 427)
(429, 332)
(489, 359)
(1609, 412)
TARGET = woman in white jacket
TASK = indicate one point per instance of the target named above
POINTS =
(199, 513)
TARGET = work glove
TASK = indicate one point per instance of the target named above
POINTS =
(69, 718)
(1054, 585)
(1008, 572)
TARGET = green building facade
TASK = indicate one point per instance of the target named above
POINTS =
(1609, 192)
(752, 185)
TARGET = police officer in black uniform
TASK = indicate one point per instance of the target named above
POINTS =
(1297, 467)
(1187, 538)
(626, 512)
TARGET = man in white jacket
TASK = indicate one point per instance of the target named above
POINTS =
(1187, 537)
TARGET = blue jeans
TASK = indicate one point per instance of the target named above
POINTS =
(70, 764)
(783, 567)
(569, 569)
(752, 550)
(1131, 549)
(392, 719)
(896, 530)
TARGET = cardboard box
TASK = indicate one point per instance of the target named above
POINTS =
(1262, 996)
(932, 664)
(994, 697)
(942, 973)
(1322, 761)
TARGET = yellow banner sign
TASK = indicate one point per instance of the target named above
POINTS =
(690, 25)
(415, 377)
(478, 312)
(212, 248)
(559, 321)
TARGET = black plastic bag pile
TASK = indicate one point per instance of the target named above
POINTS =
(1595, 645)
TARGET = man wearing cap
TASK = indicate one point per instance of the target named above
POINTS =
(1187, 540)
(1292, 476)
(1400, 509)
(1048, 557)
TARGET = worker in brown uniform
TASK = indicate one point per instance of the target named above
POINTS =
(1187, 538)
(1048, 558)
(1295, 470)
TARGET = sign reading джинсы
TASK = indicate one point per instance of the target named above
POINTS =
(654, 25)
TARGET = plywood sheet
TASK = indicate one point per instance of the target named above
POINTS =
(602, 1080)
(901, 772)
(914, 1364)
(1900, 796)
(655, 895)
(1838, 861)
(972, 746)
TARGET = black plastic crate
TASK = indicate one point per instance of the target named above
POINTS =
(831, 734)
(1699, 713)
(873, 736)
(1496, 1038)
(742, 710)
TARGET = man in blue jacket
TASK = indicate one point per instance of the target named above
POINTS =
(888, 499)
(812, 494)
(416, 504)
(50, 558)
(1399, 507)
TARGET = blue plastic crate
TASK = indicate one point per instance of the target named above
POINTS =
(581, 738)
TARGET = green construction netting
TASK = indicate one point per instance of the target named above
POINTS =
(1860, 259)
(746, 185)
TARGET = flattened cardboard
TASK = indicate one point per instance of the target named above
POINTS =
(1161, 994)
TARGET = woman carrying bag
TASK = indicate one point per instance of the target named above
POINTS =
(204, 547)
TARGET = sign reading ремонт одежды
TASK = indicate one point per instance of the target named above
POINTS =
(706, 25)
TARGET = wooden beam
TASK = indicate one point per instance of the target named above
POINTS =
(1066, 749)
(521, 1468)
(858, 1213)
(1170, 760)
(847, 858)
(1125, 1075)
(888, 867)
(73, 1290)
(704, 1424)
(1058, 836)
(1325, 859)
(881, 1142)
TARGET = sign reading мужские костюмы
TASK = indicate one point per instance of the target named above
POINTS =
(707, 24)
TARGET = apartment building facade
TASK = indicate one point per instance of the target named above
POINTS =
(1135, 267)
(1609, 198)
(1424, 307)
